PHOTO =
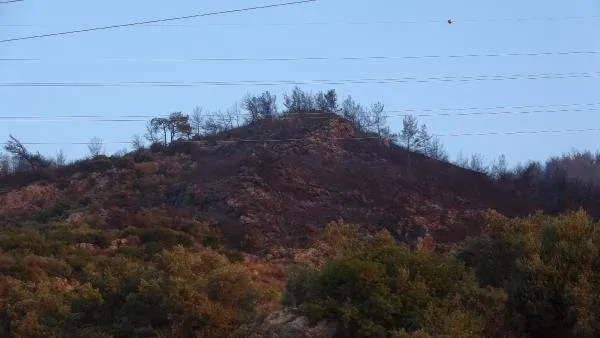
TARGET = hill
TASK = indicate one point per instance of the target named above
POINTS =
(272, 184)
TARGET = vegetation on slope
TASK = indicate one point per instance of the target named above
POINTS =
(58, 280)
(549, 268)
(532, 277)
(379, 288)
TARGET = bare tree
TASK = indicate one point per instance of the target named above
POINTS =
(326, 102)
(260, 107)
(410, 131)
(61, 159)
(461, 160)
(179, 126)
(331, 100)
(234, 112)
(225, 119)
(478, 163)
(298, 101)
(23, 158)
(500, 167)
(435, 149)
(377, 118)
(137, 142)
(197, 120)
(121, 152)
(96, 146)
(160, 125)
(355, 113)
(387, 135)
(211, 126)
(152, 132)
(422, 140)
(176, 125)
(16, 148)
(5, 168)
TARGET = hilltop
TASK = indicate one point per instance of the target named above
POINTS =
(273, 184)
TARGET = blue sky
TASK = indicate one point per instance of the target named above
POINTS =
(420, 28)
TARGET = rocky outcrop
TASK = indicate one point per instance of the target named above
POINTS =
(289, 323)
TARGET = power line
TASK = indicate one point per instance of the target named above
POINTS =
(545, 131)
(10, 1)
(537, 76)
(327, 23)
(504, 112)
(228, 141)
(138, 23)
(498, 107)
(428, 112)
(140, 118)
(308, 58)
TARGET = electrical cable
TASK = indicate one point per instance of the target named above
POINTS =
(327, 23)
(536, 76)
(138, 23)
(308, 58)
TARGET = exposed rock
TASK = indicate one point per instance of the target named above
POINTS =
(119, 242)
(86, 246)
(76, 218)
(289, 324)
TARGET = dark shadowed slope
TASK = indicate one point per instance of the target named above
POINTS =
(308, 171)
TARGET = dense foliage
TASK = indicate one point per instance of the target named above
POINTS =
(58, 280)
(535, 277)
(530, 277)
(549, 268)
(379, 288)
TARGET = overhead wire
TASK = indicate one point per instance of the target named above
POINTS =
(234, 140)
(307, 58)
(145, 22)
(427, 112)
(534, 76)
(331, 22)
(73, 119)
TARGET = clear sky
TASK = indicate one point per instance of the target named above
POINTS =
(418, 28)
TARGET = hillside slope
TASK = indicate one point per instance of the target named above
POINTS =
(268, 185)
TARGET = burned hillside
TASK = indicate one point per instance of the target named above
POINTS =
(273, 183)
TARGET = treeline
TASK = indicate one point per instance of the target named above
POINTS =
(179, 126)
(561, 183)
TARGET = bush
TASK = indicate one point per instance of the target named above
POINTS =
(549, 269)
(157, 147)
(125, 162)
(143, 155)
(98, 163)
(71, 292)
(378, 288)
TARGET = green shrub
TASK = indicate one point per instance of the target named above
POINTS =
(549, 267)
(211, 240)
(377, 288)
